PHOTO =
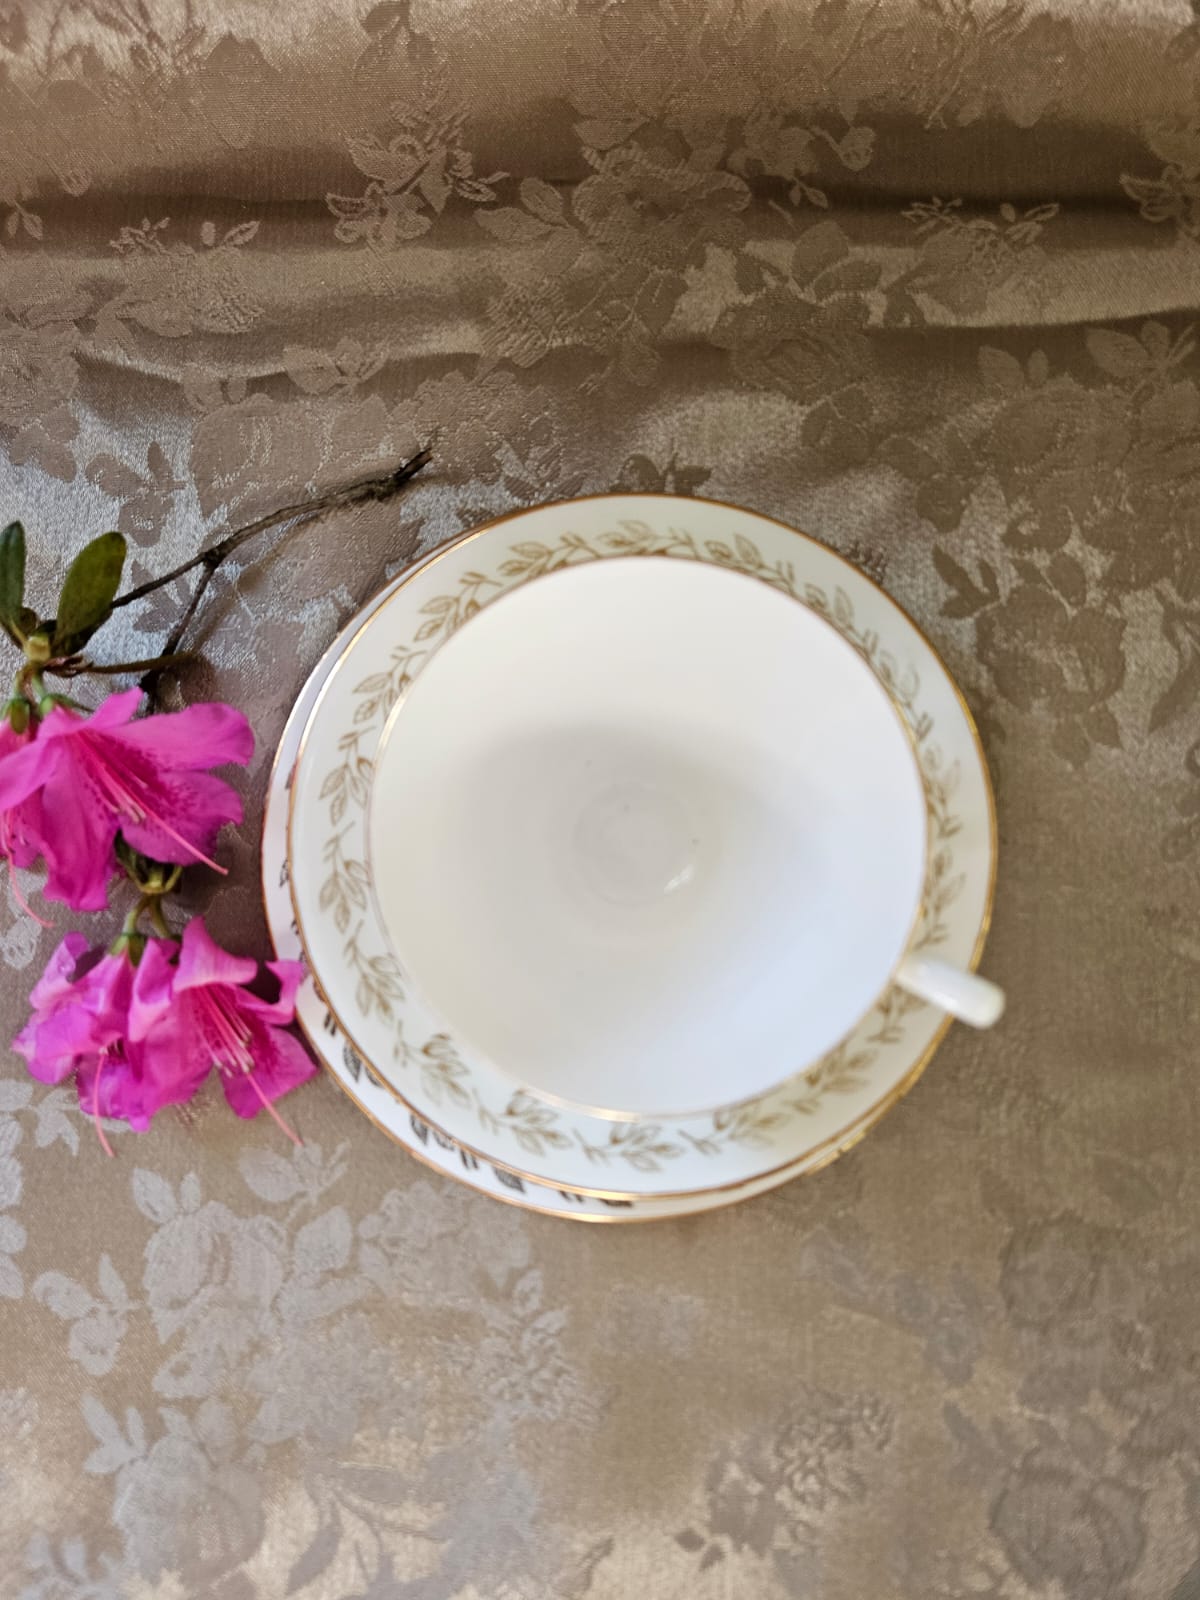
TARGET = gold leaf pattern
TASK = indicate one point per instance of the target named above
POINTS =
(525, 1125)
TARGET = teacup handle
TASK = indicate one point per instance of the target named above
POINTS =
(964, 995)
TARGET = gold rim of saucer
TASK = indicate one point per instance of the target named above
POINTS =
(628, 1219)
(608, 1113)
(899, 1089)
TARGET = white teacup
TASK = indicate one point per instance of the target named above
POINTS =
(652, 837)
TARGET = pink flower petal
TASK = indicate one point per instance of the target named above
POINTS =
(73, 1014)
(59, 974)
(280, 1063)
(77, 838)
(153, 987)
(21, 832)
(194, 806)
(175, 1057)
(290, 975)
(26, 769)
(113, 712)
(202, 961)
(127, 1088)
(95, 1014)
(194, 739)
(43, 1066)
(63, 724)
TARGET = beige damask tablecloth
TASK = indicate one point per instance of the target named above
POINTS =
(920, 276)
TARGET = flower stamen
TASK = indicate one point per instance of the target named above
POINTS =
(234, 1039)
(232, 1053)
(273, 1114)
(104, 1144)
(138, 810)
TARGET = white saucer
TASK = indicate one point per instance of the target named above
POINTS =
(463, 1095)
(373, 1095)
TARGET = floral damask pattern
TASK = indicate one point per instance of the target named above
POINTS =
(765, 1496)
(920, 278)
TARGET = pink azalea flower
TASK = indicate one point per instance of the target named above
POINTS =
(66, 793)
(140, 1037)
(205, 1016)
(85, 1007)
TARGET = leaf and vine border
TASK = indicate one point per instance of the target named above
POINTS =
(536, 1128)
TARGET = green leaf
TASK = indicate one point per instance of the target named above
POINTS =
(12, 577)
(88, 592)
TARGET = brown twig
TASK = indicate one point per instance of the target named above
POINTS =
(76, 667)
(365, 489)
(210, 560)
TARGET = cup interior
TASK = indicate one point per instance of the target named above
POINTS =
(649, 835)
